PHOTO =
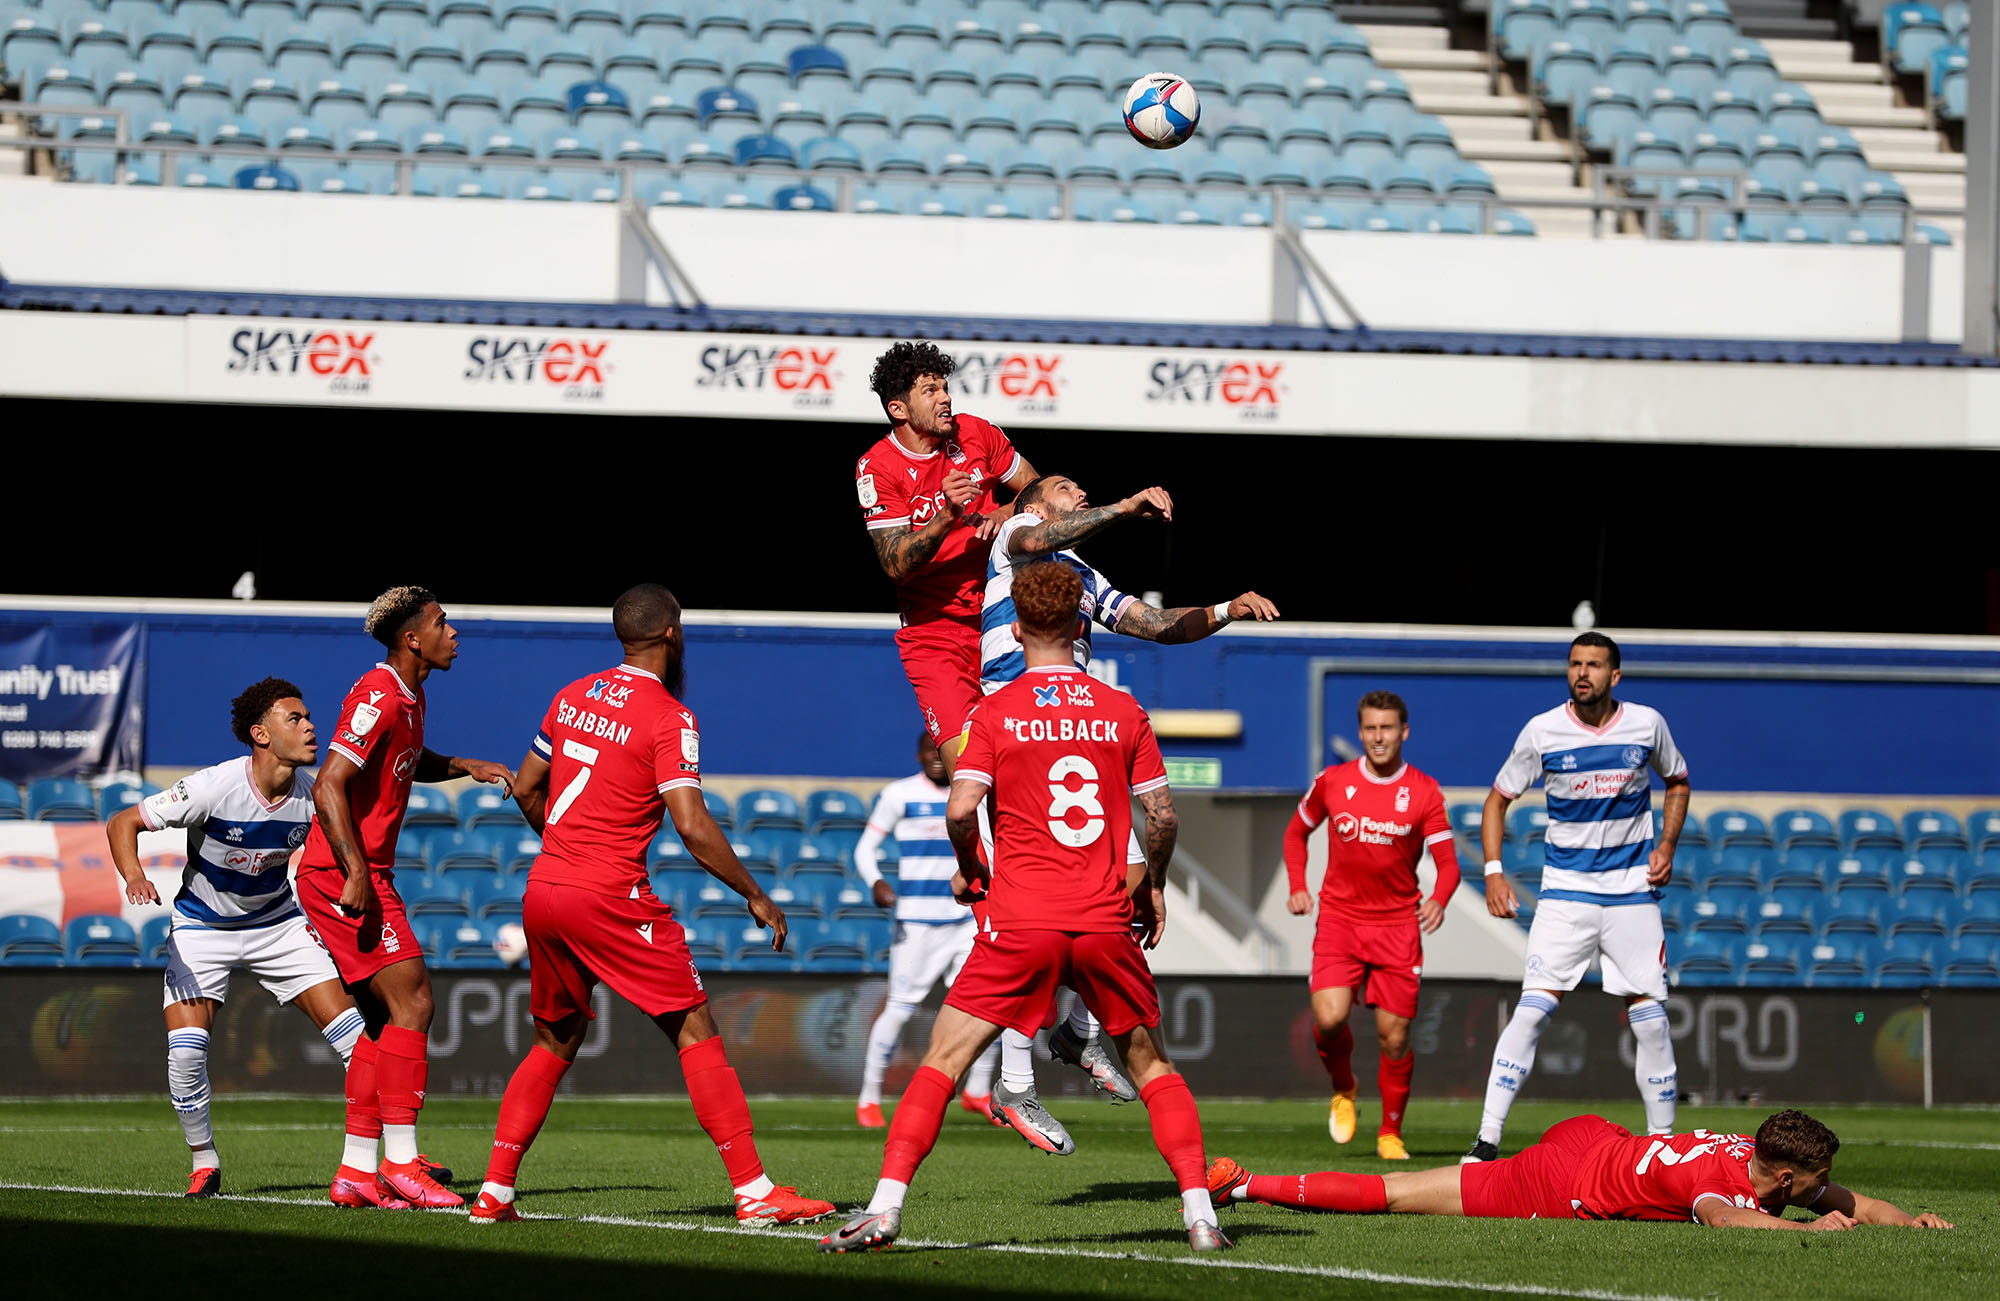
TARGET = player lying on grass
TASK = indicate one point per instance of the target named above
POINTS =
(1063, 756)
(1588, 1168)
(244, 817)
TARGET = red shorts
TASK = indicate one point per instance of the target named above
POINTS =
(577, 937)
(1536, 1183)
(360, 946)
(1012, 976)
(1383, 962)
(941, 659)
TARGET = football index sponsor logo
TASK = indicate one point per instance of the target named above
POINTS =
(1254, 390)
(806, 376)
(1031, 381)
(343, 358)
(572, 365)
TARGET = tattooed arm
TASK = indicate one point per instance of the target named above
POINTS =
(1189, 622)
(1162, 829)
(1051, 536)
(903, 550)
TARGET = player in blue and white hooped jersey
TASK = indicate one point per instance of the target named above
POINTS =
(244, 819)
(1052, 514)
(1601, 876)
(934, 932)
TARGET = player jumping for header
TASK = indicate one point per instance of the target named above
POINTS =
(1382, 814)
(1587, 1168)
(1601, 877)
(244, 818)
(1051, 515)
(346, 883)
(1064, 756)
(618, 751)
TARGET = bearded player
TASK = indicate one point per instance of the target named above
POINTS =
(1063, 756)
(244, 818)
(926, 494)
(618, 751)
(1051, 515)
(346, 883)
(1587, 1168)
(1381, 815)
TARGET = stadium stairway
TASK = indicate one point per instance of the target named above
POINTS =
(1495, 130)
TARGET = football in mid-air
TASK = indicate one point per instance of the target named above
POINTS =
(1161, 110)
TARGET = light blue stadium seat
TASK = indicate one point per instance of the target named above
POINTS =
(1951, 83)
(62, 85)
(302, 135)
(1518, 26)
(536, 108)
(1381, 218)
(665, 111)
(60, 799)
(369, 57)
(325, 15)
(1603, 114)
(100, 940)
(528, 20)
(1911, 33)
(237, 132)
(703, 150)
(826, 153)
(234, 51)
(985, 127)
(500, 61)
(591, 20)
(30, 38)
(636, 147)
(1630, 69)
(1748, 71)
(369, 138)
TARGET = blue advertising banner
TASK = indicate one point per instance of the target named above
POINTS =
(72, 699)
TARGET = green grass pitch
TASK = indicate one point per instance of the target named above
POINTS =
(635, 1204)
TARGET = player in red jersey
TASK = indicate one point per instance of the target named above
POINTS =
(1384, 815)
(346, 884)
(926, 494)
(616, 752)
(1063, 756)
(1587, 1168)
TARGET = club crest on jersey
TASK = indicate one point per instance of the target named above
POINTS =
(955, 452)
(1049, 696)
(1346, 826)
(596, 691)
(1079, 695)
(864, 489)
(365, 718)
(1634, 756)
(297, 836)
(1402, 799)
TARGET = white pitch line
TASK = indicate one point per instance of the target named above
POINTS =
(1003, 1248)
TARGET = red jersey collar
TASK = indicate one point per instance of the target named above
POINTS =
(1390, 780)
(401, 685)
(636, 672)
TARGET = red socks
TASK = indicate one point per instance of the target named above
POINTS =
(1331, 1191)
(914, 1128)
(400, 1071)
(523, 1108)
(1393, 1078)
(364, 1114)
(1176, 1129)
(1336, 1052)
(721, 1108)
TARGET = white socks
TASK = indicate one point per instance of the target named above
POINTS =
(1653, 1064)
(1513, 1059)
(1017, 1061)
(882, 1039)
(979, 1078)
(756, 1187)
(343, 1031)
(1196, 1205)
(501, 1193)
(360, 1154)
(889, 1195)
(187, 1087)
(399, 1144)
(1081, 1023)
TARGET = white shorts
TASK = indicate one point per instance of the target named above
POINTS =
(922, 955)
(1566, 935)
(285, 957)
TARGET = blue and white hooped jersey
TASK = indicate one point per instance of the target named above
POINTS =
(1599, 797)
(239, 845)
(911, 810)
(1000, 658)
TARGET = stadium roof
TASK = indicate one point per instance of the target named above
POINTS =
(1154, 334)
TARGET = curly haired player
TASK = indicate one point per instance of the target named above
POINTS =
(1587, 1168)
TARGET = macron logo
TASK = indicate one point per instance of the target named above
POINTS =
(646, 932)
(1350, 792)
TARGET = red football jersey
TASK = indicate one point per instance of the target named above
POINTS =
(1379, 831)
(1064, 755)
(899, 487)
(616, 743)
(381, 731)
(1661, 1178)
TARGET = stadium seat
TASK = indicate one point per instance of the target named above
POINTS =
(153, 940)
(121, 795)
(703, 945)
(494, 899)
(680, 887)
(1803, 827)
(1932, 829)
(1864, 828)
(1862, 865)
(27, 940)
(1707, 959)
(1739, 865)
(834, 947)
(1793, 903)
(1728, 909)
(11, 805)
(775, 846)
(1904, 962)
(1528, 822)
(826, 809)
(1771, 961)
(1802, 868)
(466, 944)
(60, 799)
(98, 940)
(1841, 959)
(427, 896)
(1852, 912)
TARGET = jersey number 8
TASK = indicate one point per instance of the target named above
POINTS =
(1062, 799)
